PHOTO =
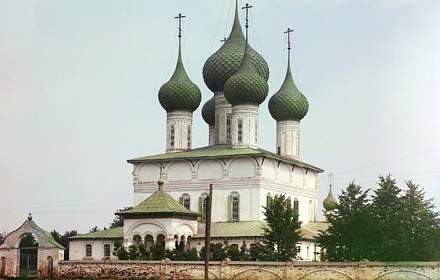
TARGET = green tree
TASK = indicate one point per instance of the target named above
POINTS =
(283, 231)
(157, 251)
(420, 225)
(94, 229)
(118, 221)
(387, 211)
(119, 250)
(244, 252)
(349, 236)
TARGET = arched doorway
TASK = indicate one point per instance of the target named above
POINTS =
(28, 255)
(49, 267)
(3, 266)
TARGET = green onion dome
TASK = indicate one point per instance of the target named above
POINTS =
(246, 86)
(330, 202)
(179, 93)
(224, 63)
(208, 112)
(288, 103)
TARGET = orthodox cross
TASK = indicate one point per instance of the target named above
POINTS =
(330, 178)
(247, 7)
(224, 40)
(288, 37)
(180, 16)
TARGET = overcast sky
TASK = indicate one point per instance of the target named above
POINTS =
(79, 83)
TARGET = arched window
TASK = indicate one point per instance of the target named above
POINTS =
(172, 136)
(149, 242)
(296, 208)
(185, 200)
(189, 137)
(268, 199)
(239, 130)
(203, 202)
(234, 206)
(3, 267)
(311, 211)
(160, 239)
(137, 240)
(107, 250)
(88, 250)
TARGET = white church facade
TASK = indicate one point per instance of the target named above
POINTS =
(244, 176)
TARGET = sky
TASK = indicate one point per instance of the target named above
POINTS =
(79, 83)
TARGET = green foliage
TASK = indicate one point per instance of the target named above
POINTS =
(157, 251)
(120, 251)
(133, 252)
(118, 221)
(422, 222)
(388, 227)
(244, 252)
(94, 229)
(349, 238)
(283, 232)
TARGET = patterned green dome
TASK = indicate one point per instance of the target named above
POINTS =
(179, 93)
(246, 86)
(288, 103)
(330, 202)
(208, 112)
(224, 63)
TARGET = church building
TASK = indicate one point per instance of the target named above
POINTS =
(171, 188)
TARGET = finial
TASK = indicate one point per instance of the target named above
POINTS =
(180, 16)
(288, 46)
(30, 217)
(247, 7)
(288, 37)
(330, 179)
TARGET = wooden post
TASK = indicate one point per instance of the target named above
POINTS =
(208, 231)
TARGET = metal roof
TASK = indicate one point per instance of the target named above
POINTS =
(220, 151)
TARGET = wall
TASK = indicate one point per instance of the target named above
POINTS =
(249, 270)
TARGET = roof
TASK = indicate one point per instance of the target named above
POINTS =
(218, 230)
(159, 205)
(113, 233)
(311, 230)
(220, 151)
(48, 235)
(232, 229)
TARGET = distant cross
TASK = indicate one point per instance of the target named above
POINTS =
(180, 16)
(330, 178)
(224, 40)
(247, 7)
(288, 37)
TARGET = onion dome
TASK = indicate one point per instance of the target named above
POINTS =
(246, 86)
(179, 93)
(288, 103)
(208, 112)
(330, 202)
(224, 63)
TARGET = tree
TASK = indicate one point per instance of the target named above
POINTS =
(349, 236)
(283, 231)
(94, 229)
(3, 236)
(157, 251)
(387, 211)
(420, 225)
(120, 251)
(118, 221)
